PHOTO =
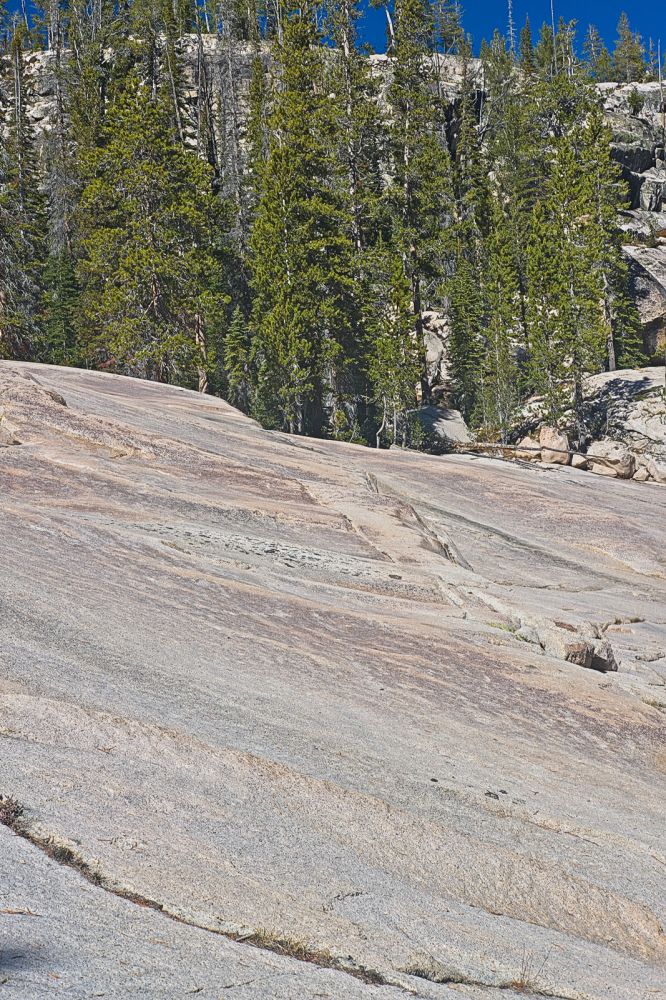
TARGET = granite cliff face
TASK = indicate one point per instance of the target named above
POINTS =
(290, 718)
(639, 147)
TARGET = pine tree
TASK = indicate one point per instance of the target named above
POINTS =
(420, 191)
(301, 250)
(500, 382)
(515, 145)
(395, 356)
(568, 332)
(60, 302)
(526, 48)
(19, 293)
(151, 264)
(467, 314)
(566, 59)
(597, 57)
(465, 288)
(237, 362)
(257, 131)
(608, 196)
(448, 26)
(629, 54)
(358, 136)
(544, 53)
(22, 221)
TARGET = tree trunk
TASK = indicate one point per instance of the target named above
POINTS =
(200, 341)
(382, 427)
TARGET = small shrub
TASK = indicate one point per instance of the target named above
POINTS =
(636, 102)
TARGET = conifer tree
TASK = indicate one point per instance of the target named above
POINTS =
(22, 220)
(151, 263)
(19, 293)
(566, 59)
(544, 53)
(629, 53)
(500, 382)
(420, 192)
(608, 194)
(448, 26)
(257, 131)
(597, 56)
(60, 303)
(358, 135)
(568, 332)
(465, 287)
(237, 362)
(515, 146)
(526, 48)
(301, 250)
(395, 357)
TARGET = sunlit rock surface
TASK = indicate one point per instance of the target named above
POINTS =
(298, 691)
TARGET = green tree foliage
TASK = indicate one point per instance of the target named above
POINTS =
(18, 288)
(420, 192)
(60, 303)
(526, 48)
(285, 244)
(465, 286)
(629, 54)
(22, 219)
(395, 358)
(237, 362)
(301, 247)
(568, 330)
(151, 263)
(608, 194)
(597, 57)
(499, 374)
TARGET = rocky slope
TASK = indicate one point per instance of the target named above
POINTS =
(330, 702)
(639, 144)
(625, 416)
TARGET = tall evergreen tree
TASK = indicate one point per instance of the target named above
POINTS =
(420, 191)
(22, 219)
(151, 259)
(466, 285)
(568, 330)
(237, 365)
(608, 196)
(500, 382)
(395, 357)
(19, 292)
(358, 135)
(629, 53)
(597, 57)
(526, 48)
(302, 251)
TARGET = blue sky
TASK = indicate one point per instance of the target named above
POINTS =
(481, 17)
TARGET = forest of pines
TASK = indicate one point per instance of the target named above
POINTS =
(286, 260)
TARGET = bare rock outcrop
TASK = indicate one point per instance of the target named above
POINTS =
(554, 446)
(624, 416)
(611, 458)
(648, 275)
(274, 688)
(528, 449)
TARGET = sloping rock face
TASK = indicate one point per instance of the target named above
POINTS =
(326, 700)
(627, 416)
(638, 146)
(638, 141)
(648, 275)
